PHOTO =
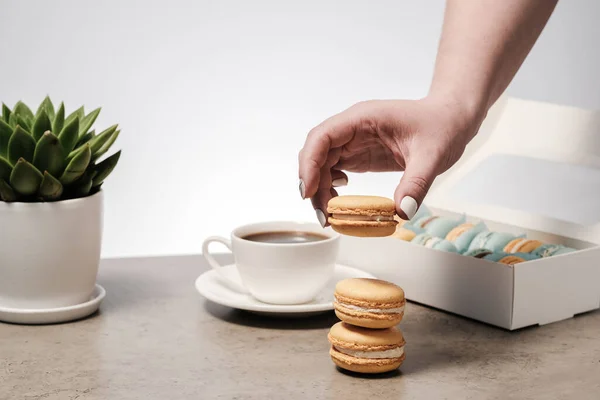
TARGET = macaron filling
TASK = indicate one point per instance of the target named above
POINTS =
(480, 240)
(354, 217)
(396, 310)
(391, 353)
(424, 221)
(516, 245)
(432, 242)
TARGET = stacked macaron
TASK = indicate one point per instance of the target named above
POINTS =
(367, 339)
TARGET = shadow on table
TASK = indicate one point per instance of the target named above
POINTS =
(385, 375)
(245, 318)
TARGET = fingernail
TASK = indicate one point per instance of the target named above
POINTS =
(409, 206)
(321, 217)
(302, 188)
(339, 182)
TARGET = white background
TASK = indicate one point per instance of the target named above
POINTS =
(215, 98)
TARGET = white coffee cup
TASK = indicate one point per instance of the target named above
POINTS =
(279, 273)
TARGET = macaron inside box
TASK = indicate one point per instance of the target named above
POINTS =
(362, 216)
(462, 235)
(405, 230)
(404, 234)
(438, 226)
(478, 253)
(510, 258)
(522, 245)
(549, 250)
(427, 240)
(494, 241)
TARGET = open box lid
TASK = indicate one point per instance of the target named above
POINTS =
(535, 165)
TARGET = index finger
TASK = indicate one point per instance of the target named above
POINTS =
(334, 132)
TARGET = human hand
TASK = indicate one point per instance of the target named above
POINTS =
(422, 137)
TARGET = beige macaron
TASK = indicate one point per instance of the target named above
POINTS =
(401, 232)
(511, 260)
(404, 234)
(363, 216)
(522, 245)
(457, 231)
(364, 350)
(370, 303)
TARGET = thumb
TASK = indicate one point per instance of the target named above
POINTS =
(414, 185)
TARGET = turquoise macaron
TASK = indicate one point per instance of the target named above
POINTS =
(440, 226)
(494, 241)
(549, 250)
(463, 234)
(414, 228)
(499, 255)
(423, 211)
(427, 240)
(478, 253)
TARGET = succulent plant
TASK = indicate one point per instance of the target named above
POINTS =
(48, 156)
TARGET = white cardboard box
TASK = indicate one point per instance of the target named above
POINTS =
(534, 168)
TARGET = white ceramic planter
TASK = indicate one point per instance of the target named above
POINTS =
(49, 252)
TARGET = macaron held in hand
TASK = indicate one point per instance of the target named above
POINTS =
(364, 350)
(369, 303)
(362, 216)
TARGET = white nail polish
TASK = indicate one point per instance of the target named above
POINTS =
(321, 217)
(409, 206)
(302, 188)
(339, 182)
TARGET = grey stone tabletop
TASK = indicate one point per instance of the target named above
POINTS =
(156, 338)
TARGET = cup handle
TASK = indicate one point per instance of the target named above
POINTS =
(216, 266)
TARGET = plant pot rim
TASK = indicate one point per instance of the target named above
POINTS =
(51, 203)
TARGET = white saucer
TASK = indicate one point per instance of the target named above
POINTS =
(211, 287)
(54, 315)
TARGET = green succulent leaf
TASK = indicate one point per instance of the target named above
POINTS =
(20, 145)
(50, 188)
(102, 138)
(77, 166)
(41, 125)
(7, 193)
(107, 145)
(88, 121)
(24, 111)
(83, 139)
(79, 113)
(24, 122)
(49, 154)
(83, 185)
(25, 178)
(59, 119)
(69, 135)
(13, 120)
(16, 119)
(5, 168)
(104, 168)
(5, 134)
(5, 113)
(46, 105)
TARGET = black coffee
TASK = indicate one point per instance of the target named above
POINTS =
(285, 237)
